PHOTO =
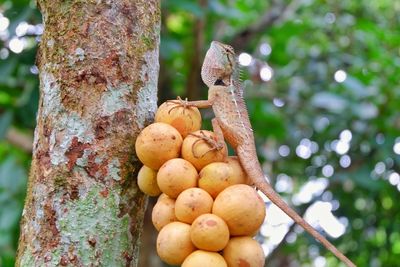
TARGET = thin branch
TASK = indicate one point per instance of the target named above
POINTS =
(194, 83)
(277, 13)
(19, 139)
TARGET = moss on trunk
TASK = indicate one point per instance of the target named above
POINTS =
(98, 63)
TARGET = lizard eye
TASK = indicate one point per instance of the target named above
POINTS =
(229, 49)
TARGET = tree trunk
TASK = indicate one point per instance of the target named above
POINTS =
(98, 63)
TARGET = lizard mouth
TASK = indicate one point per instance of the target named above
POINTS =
(219, 82)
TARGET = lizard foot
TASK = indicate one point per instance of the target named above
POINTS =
(213, 144)
(179, 102)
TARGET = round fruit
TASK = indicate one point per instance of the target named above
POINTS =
(174, 244)
(244, 251)
(217, 176)
(238, 174)
(147, 181)
(163, 212)
(184, 119)
(176, 175)
(201, 258)
(162, 196)
(191, 203)
(199, 152)
(241, 208)
(209, 232)
(158, 143)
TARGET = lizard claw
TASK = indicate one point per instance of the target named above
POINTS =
(213, 144)
(179, 102)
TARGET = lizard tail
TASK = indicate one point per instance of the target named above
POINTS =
(277, 200)
(257, 177)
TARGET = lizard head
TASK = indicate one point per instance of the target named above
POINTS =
(219, 64)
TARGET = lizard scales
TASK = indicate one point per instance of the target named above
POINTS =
(221, 74)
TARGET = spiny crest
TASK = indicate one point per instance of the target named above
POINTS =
(237, 78)
(238, 71)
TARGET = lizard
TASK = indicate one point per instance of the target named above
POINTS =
(220, 72)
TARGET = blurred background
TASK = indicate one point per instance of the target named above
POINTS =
(321, 85)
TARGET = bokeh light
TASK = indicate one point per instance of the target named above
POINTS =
(340, 76)
(266, 73)
(16, 45)
(245, 59)
(265, 49)
(4, 23)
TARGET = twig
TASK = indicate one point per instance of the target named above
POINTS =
(277, 13)
(19, 139)
(194, 82)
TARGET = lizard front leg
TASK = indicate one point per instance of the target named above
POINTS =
(215, 144)
(185, 103)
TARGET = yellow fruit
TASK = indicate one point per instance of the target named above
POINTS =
(162, 196)
(191, 203)
(163, 212)
(176, 175)
(241, 208)
(201, 258)
(184, 119)
(244, 251)
(238, 174)
(158, 143)
(147, 181)
(173, 243)
(209, 232)
(199, 153)
(217, 176)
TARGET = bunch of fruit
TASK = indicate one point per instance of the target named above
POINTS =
(206, 214)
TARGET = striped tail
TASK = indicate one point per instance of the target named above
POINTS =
(256, 175)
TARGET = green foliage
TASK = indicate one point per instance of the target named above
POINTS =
(302, 104)
(12, 192)
(317, 39)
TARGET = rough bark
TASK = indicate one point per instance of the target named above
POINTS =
(98, 63)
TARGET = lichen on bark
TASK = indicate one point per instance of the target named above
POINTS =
(98, 63)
